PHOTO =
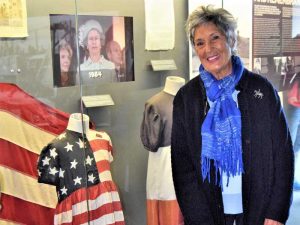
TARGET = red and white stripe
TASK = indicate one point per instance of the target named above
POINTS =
(103, 206)
(103, 209)
(26, 126)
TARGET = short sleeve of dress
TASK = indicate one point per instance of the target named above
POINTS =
(109, 146)
(110, 151)
(48, 166)
(151, 128)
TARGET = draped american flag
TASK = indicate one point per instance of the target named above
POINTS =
(26, 126)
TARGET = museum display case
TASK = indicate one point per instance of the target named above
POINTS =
(74, 80)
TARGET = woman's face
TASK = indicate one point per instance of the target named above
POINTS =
(213, 50)
(65, 60)
(94, 42)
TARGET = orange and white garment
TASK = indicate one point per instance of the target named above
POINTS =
(162, 206)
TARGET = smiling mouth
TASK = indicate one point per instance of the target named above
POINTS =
(212, 58)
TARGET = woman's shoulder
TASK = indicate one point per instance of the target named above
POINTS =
(107, 64)
(191, 90)
(194, 83)
(85, 65)
(251, 80)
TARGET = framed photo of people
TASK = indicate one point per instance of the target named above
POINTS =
(104, 52)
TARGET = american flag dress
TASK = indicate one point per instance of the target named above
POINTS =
(79, 168)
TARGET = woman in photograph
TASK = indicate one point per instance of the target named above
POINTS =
(231, 151)
(66, 77)
(91, 38)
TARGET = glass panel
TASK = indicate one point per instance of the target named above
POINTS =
(33, 111)
(122, 120)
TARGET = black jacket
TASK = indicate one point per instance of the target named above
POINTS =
(267, 155)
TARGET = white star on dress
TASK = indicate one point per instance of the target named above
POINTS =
(40, 173)
(53, 171)
(77, 180)
(74, 164)
(46, 161)
(91, 178)
(64, 190)
(88, 160)
(53, 153)
(80, 143)
(61, 136)
(69, 147)
(61, 173)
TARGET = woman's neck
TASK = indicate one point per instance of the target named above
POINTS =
(173, 84)
(64, 78)
(75, 123)
(95, 58)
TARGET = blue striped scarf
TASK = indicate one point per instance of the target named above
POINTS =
(221, 129)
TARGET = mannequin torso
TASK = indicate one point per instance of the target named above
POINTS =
(157, 122)
(173, 84)
(155, 134)
(79, 123)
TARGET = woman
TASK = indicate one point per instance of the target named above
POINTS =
(66, 77)
(65, 58)
(91, 38)
(94, 67)
(232, 157)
